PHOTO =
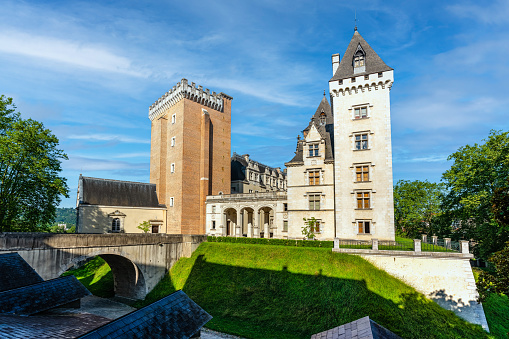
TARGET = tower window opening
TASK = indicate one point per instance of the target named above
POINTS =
(358, 59)
(322, 118)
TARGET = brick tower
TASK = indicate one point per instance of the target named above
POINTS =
(190, 153)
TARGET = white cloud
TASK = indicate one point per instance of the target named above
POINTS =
(84, 164)
(76, 53)
(109, 137)
(496, 12)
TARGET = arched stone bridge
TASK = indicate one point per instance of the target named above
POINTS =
(138, 261)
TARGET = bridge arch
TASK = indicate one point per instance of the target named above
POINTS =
(128, 278)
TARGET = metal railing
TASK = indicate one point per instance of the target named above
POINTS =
(355, 244)
(440, 245)
(387, 245)
(249, 196)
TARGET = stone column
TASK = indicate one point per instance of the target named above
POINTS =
(250, 217)
(224, 225)
(464, 247)
(424, 238)
(336, 243)
(256, 224)
(417, 245)
(434, 239)
(447, 242)
(238, 226)
(374, 244)
(266, 230)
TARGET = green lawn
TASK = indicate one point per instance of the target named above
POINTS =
(496, 308)
(96, 276)
(260, 291)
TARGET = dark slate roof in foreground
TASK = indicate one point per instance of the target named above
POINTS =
(373, 62)
(175, 316)
(97, 191)
(42, 296)
(363, 328)
(48, 326)
(16, 272)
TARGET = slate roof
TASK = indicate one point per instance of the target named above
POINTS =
(16, 272)
(373, 62)
(107, 192)
(363, 328)
(42, 296)
(326, 132)
(48, 326)
(175, 316)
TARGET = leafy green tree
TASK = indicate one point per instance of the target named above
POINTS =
(416, 207)
(144, 226)
(309, 228)
(30, 185)
(498, 280)
(476, 203)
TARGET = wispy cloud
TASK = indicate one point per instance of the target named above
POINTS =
(86, 164)
(493, 12)
(109, 137)
(89, 56)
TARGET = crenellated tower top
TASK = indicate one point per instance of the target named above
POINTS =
(184, 90)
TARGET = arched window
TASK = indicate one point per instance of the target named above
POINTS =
(358, 59)
(322, 118)
(115, 225)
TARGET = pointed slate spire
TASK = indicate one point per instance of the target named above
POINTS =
(373, 62)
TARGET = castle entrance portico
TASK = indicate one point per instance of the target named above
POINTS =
(251, 215)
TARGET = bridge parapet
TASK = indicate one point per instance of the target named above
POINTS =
(22, 241)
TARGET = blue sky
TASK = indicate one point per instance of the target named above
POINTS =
(90, 70)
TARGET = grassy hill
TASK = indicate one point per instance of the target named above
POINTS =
(260, 291)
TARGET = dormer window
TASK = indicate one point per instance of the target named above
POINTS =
(322, 118)
(313, 150)
(358, 59)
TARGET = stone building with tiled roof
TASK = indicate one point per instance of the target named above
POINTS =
(341, 173)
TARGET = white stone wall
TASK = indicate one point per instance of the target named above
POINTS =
(375, 94)
(448, 281)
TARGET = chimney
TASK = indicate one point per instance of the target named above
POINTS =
(335, 63)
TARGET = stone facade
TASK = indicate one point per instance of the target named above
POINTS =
(341, 173)
(249, 176)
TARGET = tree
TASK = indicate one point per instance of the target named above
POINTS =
(30, 187)
(308, 230)
(498, 280)
(144, 226)
(478, 186)
(416, 207)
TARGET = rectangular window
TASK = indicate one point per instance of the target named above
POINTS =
(213, 225)
(366, 77)
(317, 228)
(213, 208)
(340, 82)
(363, 200)
(171, 202)
(173, 168)
(172, 141)
(380, 74)
(362, 173)
(313, 150)
(361, 112)
(364, 226)
(233, 189)
(173, 118)
(353, 79)
(314, 177)
(250, 191)
(285, 226)
(361, 141)
(285, 207)
(314, 202)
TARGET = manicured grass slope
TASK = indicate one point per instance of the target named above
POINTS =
(96, 275)
(496, 308)
(261, 291)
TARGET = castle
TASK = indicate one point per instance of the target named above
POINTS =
(341, 173)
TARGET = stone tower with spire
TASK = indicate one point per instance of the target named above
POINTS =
(360, 94)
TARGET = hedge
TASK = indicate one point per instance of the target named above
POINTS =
(278, 242)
